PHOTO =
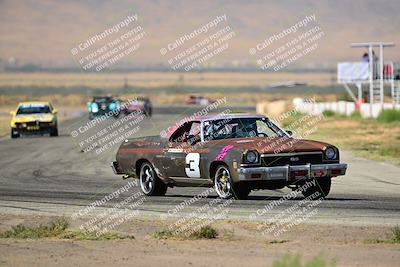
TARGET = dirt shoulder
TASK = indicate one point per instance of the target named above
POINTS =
(239, 243)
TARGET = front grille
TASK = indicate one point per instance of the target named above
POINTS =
(45, 124)
(32, 123)
(27, 124)
(269, 160)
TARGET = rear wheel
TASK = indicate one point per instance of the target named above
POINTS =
(147, 112)
(225, 187)
(319, 190)
(150, 184)
(14, 133)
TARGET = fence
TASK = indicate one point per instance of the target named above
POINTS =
(341, 107)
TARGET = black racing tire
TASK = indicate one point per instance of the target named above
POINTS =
(320, 189)
(147, 112)
(13, 135)
(240, 191)
(54, 131)
(150, 184)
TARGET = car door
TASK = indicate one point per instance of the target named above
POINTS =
(179, 161)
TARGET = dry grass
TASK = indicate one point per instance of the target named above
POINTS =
(4, 125)
(11, 101)
(57, 229)
(367, 138)
(159, 79)
(244, 98)
(205, 232)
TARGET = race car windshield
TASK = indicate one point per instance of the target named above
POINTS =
(33, 109)
(241, 128)
(103, 100)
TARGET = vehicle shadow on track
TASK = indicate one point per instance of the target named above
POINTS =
(260, 198)
(39, 136)
(266, 198)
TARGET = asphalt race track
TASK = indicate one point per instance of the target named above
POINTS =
(53, 175)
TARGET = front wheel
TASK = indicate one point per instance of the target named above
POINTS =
(54, 131)
(225, 187)
(319, 188)
(150, 184)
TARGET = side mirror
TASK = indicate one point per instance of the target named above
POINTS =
(12, 113)
(290, 133)
(55, 111)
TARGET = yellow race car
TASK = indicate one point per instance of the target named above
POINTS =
(34, 118)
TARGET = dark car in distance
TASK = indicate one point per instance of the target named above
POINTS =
(102, 105)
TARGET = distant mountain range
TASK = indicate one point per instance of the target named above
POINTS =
(44, 32)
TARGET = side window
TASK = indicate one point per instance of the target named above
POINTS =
(190, 130)
(262, 127)
(195, 128)
(194, 134)
(179, 135)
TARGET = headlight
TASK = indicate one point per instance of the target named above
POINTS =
(251, 157)
(330, 153)
(94, 107)
(113, 106)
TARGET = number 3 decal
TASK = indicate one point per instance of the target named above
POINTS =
(193, 165)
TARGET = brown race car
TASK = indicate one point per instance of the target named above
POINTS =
(233, 153)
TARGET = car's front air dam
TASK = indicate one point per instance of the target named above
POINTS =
(292, 172)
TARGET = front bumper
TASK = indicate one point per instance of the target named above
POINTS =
(291, 173)
(33, 129)
(99, 113)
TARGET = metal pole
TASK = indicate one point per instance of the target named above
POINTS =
(382, 95)
(359, 86)
(371, 81)
(392, 84)
(346, 86)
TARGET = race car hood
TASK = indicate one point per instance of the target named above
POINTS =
(42, 117)
(261, 144)
(275, 145)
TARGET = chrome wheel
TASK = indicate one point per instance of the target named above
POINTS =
(222, 182)
(147, 178)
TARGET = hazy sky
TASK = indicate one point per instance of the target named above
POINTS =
(44, 32)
